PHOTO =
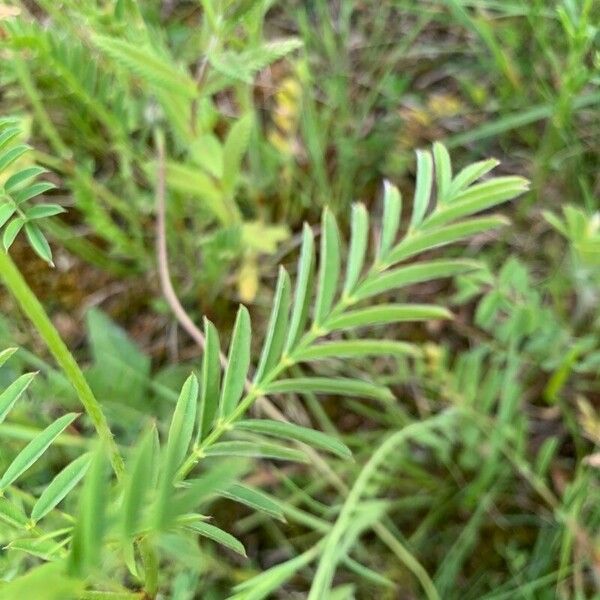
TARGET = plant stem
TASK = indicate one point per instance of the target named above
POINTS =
(33, 309)
(329, 558)
(150, 560)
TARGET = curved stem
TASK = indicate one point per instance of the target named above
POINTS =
(329, 557)
(33, 309)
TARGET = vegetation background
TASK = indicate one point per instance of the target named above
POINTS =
(188, 142)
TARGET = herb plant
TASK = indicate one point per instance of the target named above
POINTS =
(112, 542)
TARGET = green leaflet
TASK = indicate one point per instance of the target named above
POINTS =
(6, 212)
(47, 582)
(387, 313)
(188, 179)
(196, 491)
(15, 390)
(33, 190)
(237, 364)
(470, 174)
(211, 380)
(35, 449)
(207, 153)
(326, 385)
(87, 542)
(219, 536)
(277, 328)
(143, 61)
(139, 483)
(243, 65)
(38, 242)
(421, 241)
(11, 231)
(443, 171)
(46, 549)
(358, 246)
(16, 179)
(329, 270)
(254, 499)
(423, 187)
(392, 210)
(41, 211)
(6, 354)
(290, 431)
(12, 154)
(477, 198)
(304, 282)
(13, 515)
(9, 134)
(255, 450)
(182, 424)
(60, 486)
(234, 149)
(416, 273)
(356, 348)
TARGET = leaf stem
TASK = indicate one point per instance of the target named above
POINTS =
(33, 309)
(150, 560)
